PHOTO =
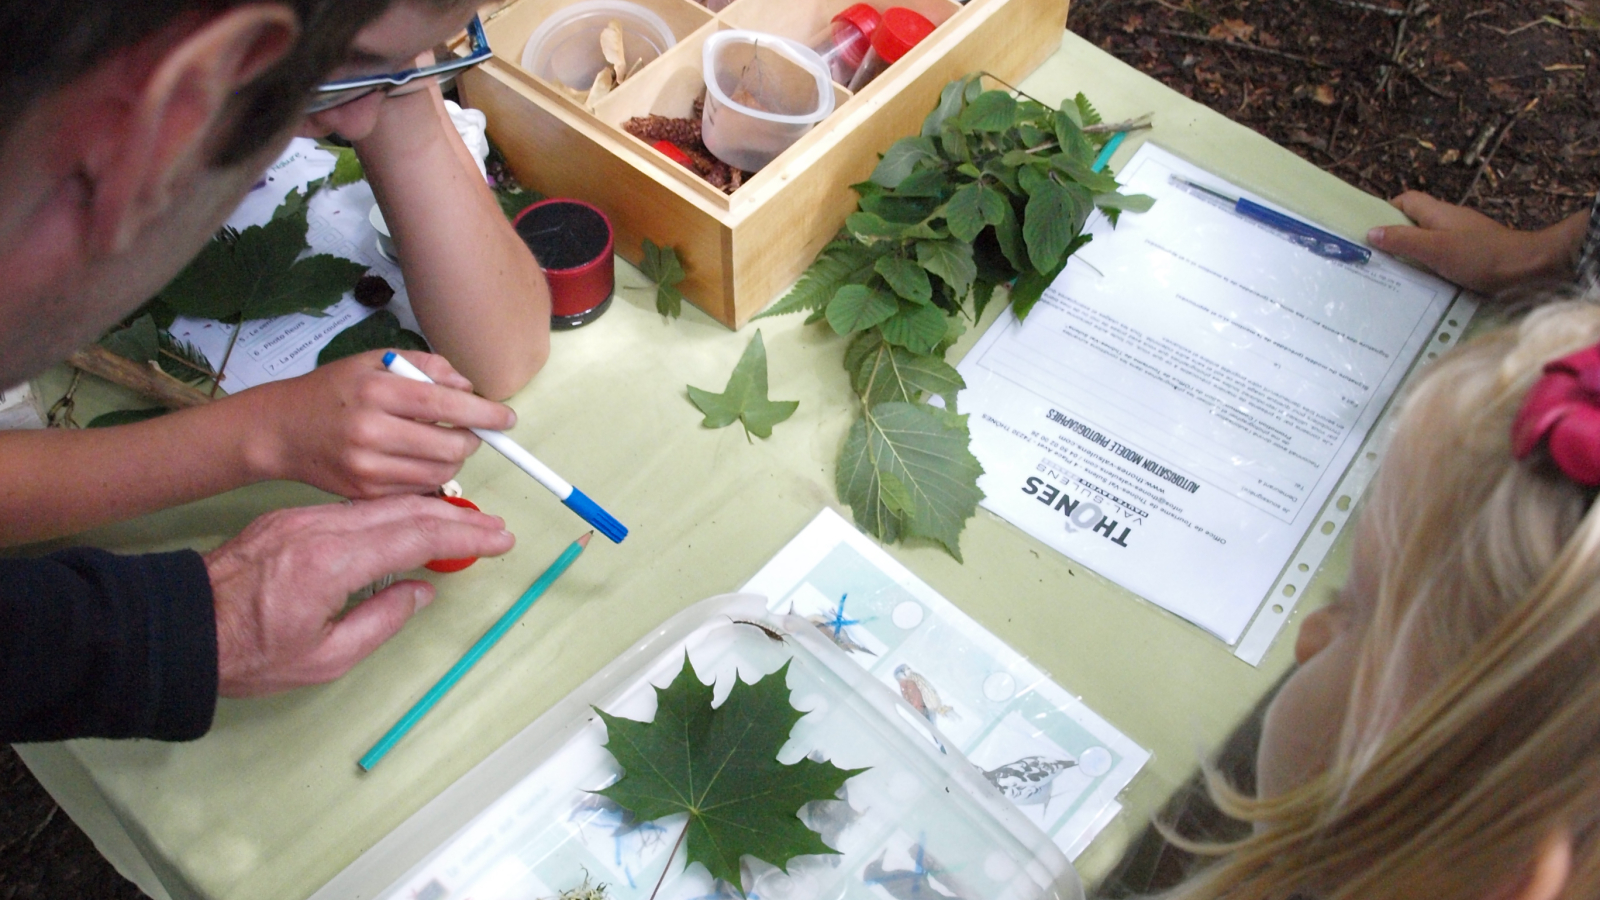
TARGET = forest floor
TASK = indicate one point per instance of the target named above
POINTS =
(1493, 105)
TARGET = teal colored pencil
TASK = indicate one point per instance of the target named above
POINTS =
(470, 658)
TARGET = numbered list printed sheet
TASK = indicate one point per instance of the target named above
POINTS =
(1055, 759)
(1178, 407)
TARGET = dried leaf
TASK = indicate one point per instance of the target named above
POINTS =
(1232, 30)
(603, 83)
(1323, 94)
(611, 47)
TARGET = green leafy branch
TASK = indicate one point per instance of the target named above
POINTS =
(994, 192)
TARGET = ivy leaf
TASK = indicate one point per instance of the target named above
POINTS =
(842, 262)
(885, 373)
(857, 307)
(720, 765)
(379, 331)
(901, 158)
(916, 328)
(907, 278)
(257, 273)
(661, 265)
(951, 260)
(745, 398)
(926, 451)
(992, 111)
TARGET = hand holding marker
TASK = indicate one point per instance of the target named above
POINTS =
(575, 499)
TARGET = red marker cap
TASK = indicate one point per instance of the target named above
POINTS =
(900, 30)
(671, 151)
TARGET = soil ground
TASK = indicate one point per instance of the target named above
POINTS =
(1491, 104)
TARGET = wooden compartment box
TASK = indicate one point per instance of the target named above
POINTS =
(740, 250)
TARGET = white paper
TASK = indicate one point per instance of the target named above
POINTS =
(1179, 405)
(1001, 711)
(275, 349)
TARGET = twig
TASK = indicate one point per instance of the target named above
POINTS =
(157, 385)
(1386, 81)
(1436, 91)
(1338, 118)
(1137, 124)
(1373, 7)
(1478, 143)
(222, 370)
(60, 414)
(1483, 166)
(39, 829)
(1508, 32)
(1237, 45)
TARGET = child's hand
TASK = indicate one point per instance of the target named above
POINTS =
(1474, 250)
(355, 429)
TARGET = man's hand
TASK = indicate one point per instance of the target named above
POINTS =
(280, 586)
(355, 429)
(1474, 250)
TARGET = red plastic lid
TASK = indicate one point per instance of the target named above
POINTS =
(671, 151)
(862, 16)
(900, 30)
(453, 565)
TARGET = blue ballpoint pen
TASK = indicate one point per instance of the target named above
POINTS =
(1310, 237)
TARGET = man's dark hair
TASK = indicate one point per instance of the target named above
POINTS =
(54, 42)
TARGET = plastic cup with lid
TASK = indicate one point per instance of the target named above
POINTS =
(900, 30)
(763, 92)
(565, 47)
(843, 43)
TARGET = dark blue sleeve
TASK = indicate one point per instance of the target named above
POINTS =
(98, 645)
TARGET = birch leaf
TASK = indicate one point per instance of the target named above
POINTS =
(926, 452)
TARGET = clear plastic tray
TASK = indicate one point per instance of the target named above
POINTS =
(922, 823)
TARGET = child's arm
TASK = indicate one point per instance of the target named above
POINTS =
(476, 289)
(350, 428)
(1477, 252)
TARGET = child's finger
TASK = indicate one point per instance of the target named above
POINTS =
(439, 369)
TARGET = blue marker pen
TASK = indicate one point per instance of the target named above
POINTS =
(575, 499)
(1329, 246)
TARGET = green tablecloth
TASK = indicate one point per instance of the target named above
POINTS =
(270, 804)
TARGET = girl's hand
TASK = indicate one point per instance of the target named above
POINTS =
(355, 429)
(1474, 250)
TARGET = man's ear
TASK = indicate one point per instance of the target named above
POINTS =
(173, 124)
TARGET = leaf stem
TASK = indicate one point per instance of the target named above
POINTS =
(670, 857)
(216, 380)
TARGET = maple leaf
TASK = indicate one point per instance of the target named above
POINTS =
(745, 398)
(662, 266)
(720, 765)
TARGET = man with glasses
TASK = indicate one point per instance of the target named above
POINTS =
(128, 130)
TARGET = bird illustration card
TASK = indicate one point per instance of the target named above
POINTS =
(1042, 748)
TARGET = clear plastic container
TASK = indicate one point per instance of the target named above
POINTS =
(918, 823)
(763, 92)
(843, 43)
(900, 30)
(566, 47)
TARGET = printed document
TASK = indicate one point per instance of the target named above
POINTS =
(1178, 407)
(275, 349)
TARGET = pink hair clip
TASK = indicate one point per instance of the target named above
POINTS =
(1562, 410)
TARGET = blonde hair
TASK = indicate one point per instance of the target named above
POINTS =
(1472, 732)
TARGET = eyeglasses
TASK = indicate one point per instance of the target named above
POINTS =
(346, 90)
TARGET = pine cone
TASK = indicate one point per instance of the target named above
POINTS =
(683, 132)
